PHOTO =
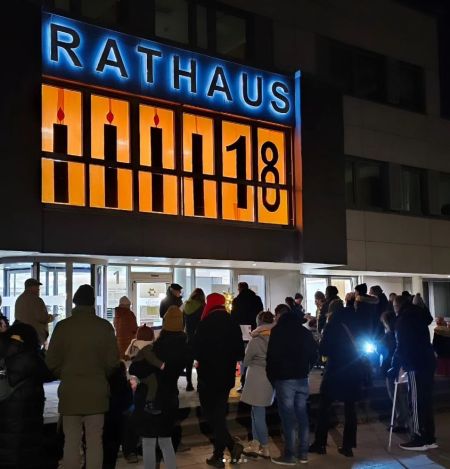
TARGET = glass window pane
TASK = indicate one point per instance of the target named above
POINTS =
(370, 192)
(81, 276)
(411, 190)
(444, 193)
(370, 76)
(257, 283)
(117, 286)
(111, 188)
(171, 20)
(53, 289)
(406, 86)
(312, 285)
(183, 276)
(340, 71)
(198, 145)
(100, 10)
(14, 276)
(202, 27)
(61, 120)
(63, 182)
(231, 36)
(62, 5)
(213, 280)
(151, 269)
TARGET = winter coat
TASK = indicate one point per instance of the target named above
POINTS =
(343, 375)
(367, 316)
(21, 414)
(441, 341)
(292, 350)
(82, 354)
(217, 346)
(172, 349)
(323, 313)
(126, 327)
(245, 308)
(135, 347)
(381, 307)
(30, 309)
(387, 348)
(257, 388)
(168, 301)
(413, 351)
(192, 310)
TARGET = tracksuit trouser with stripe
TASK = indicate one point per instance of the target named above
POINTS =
(420, 389)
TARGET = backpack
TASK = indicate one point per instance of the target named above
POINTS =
(6, 390)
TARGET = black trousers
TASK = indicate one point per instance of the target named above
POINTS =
(130, 438)
(214, 406)
(420, 392)
(350, 424)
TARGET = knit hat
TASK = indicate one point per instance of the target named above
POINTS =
(361, 289)
(84, 296)
(145, 333)
(173, 320)
(125, 301)
(213, 301)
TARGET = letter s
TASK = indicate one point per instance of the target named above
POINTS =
(285, 106)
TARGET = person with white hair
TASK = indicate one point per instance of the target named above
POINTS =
(125, 325)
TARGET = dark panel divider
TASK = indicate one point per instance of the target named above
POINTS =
(61, 181)
(111, 189)
(60, 138)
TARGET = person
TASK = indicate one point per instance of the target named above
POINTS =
(331, 294)
(258, 392)
(319, 300)
(441, 345)
(418, 301)
(342, 379)
(173, 297)
(83, 354)
(21, 414)
(414, 354)
(387, 348)
(391, 301)
(125, 325)
(366, 307)
(192, 310)
(380, 308)
(217, 347)
(298, 301)
(30, 309)
(170, 348)
(246, 306)
(145, 335)
(294, 307)
(121, 399)
(291, 353)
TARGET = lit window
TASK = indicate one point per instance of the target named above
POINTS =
(110, 187)
(110, 133)
(61, 121)
(62, 182)
(158, 193)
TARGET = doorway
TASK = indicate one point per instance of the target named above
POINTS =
(148, 291)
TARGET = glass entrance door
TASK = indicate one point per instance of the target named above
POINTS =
(148, 291)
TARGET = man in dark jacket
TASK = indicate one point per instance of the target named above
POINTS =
(414, 354)
(173, 297)
(366, 307)
(381, 307)
(331, 294)
(217, 347)
(246, 306)
(291, 354)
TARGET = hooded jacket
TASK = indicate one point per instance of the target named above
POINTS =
(413, 350)
(246, 307)
(168, 301)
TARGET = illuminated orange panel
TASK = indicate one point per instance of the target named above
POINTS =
(230, 210)
(164, 118)
(97, 186)
(271, 143)
(100, 108)
(125, 189)
(170, 200)
(203, 126)
(238, 137)
(210, 188)
(68, 103)
(75, 181)
(281, 215)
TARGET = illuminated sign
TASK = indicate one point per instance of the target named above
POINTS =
(90, 54)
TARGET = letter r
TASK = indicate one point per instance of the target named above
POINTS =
(67, 46)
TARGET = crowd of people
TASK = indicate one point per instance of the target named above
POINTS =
(119, 385)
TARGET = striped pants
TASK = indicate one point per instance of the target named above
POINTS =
(420, 387)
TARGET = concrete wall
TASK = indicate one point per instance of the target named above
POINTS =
(397, 243)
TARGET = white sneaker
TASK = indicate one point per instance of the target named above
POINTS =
(432, 446)
(252, 449)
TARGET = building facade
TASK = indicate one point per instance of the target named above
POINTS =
(173, 140)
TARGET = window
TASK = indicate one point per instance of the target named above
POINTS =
(444, 194)
(369, 185)
(350, 183)
(103, 11)
(372, 76)
(213, 280)
(411, 187)
(231, 37)
(406, 86)
(171, 20)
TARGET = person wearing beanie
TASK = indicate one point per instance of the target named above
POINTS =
(155, 420)
(82, 354)
(218, 346)
(125, 325)
(173, 297)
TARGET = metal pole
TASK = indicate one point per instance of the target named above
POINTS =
(391, 426)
